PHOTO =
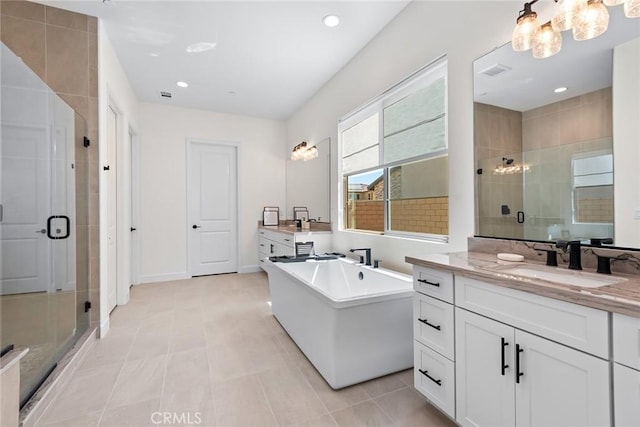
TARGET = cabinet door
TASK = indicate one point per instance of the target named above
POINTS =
(559, 386)
(626, 392)
(484, 385)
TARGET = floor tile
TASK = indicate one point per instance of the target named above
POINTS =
(187, 369)
(334, 399)
(382, 385)
(292, 399)
(241, 402)
(140, 380)
(139, 414)
(364, 414)
(90, 419)
(407, 407)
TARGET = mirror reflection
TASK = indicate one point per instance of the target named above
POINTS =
(308, 183)
(543, 138)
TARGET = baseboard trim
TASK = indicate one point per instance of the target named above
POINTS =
(250, 269)
(151, 278)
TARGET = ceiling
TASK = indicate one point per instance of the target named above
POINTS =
(270, 56)
(581, 66)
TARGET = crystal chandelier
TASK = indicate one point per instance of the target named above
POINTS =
(304, 152)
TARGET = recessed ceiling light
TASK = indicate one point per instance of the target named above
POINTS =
(201, 47)
(331, 20)
(183, 84)
(560, 89)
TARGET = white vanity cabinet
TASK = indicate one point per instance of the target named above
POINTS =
(626, 370)
(433, 331)
(280, 243)
(506, 375)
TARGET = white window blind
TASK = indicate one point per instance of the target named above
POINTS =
(415, 125)
(360, 145)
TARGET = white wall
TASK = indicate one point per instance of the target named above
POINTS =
(163, 199)
(626, 128)
(422, 32)
(114, 88)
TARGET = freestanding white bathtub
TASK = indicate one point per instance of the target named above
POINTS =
(353, 323)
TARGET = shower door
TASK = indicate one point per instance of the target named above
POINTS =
(41, 153)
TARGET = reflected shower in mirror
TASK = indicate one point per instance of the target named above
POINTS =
(543, 139)
(309, 183)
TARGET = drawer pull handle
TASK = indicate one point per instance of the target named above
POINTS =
(429, 324)
(518, 373)
(271, 248)
(429, 283)
(426, 374)
(287, 240)
(503, 366)
(262, 244)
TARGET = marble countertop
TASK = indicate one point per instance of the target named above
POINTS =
(292, 229)
(622, 297)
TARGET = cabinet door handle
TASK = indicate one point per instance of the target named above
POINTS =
(436, 284)
(271, 248)
(503, 366)
(426, 374)
(429, 324)
(287, 240)
(518, 373)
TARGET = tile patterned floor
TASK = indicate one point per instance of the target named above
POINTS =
(207, 351)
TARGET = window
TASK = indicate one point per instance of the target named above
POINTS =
(395, 162)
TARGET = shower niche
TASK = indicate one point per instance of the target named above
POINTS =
(43, 222)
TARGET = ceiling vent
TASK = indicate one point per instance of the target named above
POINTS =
(165, 94)
(494, 70)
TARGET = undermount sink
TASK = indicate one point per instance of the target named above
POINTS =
(563, 277)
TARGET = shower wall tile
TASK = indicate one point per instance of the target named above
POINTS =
(80, 104)
(24, 10)
(64, 18)
(67, 61)
(92, 24)
(27, 39)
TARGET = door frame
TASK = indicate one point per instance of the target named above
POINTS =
(220, 143)
(135, 205)
(113, 105)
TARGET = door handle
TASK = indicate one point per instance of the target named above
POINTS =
(503, 366)
(133, 229)
(43, 231)
(196, 226)
(518, 373)
(67, 223)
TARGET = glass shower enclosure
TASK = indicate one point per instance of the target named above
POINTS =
(43, 222)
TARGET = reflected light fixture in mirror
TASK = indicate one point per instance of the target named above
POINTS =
(586, 18)
(303, 152)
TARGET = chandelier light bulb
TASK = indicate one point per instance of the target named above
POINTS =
(547, 43)
(592, 21)
(632, 8)
(526, 30)
(567, 13)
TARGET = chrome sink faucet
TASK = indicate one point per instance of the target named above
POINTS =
(367, 252)
(575, 252)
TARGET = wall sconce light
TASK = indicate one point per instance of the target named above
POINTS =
(303, 152)
(586, 18)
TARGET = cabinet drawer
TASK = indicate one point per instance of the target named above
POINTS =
(574, 325)
(626, 340)
(433, 324)
(435, 283)
(434, 378)
(286, 239)
(626, 392)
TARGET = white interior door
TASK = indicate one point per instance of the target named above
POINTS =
(212, 208)
(112, 208)
(135, 244)
(25, 195)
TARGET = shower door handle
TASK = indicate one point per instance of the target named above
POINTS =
(67, 227)
(520, 218)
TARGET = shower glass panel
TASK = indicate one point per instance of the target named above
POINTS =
(43, 222)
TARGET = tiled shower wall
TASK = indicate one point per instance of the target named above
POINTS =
(61, 47)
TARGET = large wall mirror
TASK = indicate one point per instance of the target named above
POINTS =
(548, 134)
(309, 183)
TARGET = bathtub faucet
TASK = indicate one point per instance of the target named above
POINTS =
(367, 252)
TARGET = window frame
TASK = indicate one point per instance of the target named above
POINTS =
(420, 79)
